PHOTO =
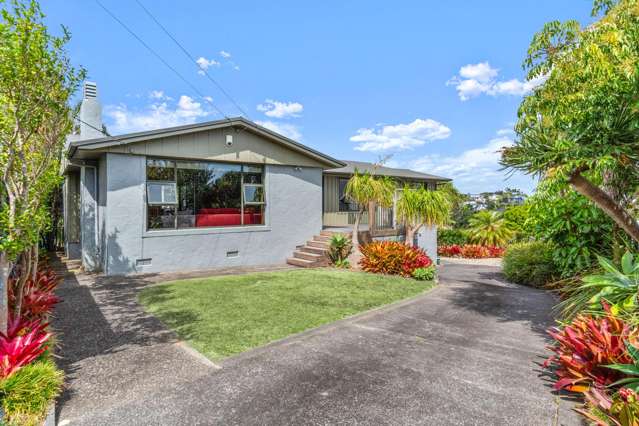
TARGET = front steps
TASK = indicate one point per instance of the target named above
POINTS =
(314, 253)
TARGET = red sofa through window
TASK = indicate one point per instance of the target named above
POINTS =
(226, 217)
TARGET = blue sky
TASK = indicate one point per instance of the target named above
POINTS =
(433, 84)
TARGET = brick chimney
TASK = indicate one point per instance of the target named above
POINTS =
(90, 113)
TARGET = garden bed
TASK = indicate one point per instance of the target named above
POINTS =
(223, 316)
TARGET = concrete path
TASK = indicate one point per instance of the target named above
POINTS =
(466, 353)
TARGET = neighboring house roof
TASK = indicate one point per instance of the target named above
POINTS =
(239, 122)
(361, 166)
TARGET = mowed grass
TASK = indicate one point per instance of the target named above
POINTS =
(225, 315)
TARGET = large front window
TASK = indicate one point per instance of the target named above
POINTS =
(192, 194)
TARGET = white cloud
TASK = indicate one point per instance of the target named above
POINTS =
(289, 130)
(400, 136)
(277, 109)
(505, 132)
(474, 170)
(205, 64)
(225, 54)
(481, 72)
(158, 94)
(159, 114)
(476, 79)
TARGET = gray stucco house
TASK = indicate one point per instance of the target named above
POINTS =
(215, 194)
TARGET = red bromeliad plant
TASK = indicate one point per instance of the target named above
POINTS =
(37, 297)
(23, 343)
(619, 408)
(585, 347)
(391, 257)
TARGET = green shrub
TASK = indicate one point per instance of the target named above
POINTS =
(26, 394)
(451, 237)
(425, 274)
(530, 263)
(339, 247)
(342, 263)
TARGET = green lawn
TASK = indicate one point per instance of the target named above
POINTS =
(226, 315)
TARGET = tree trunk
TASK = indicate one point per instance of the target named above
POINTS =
(602, 200)
(35, 257)
(356, 254)
(5, 269)
(410, 235)
(25, 266)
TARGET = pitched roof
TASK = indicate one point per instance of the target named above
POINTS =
(361, 166)
(108, 141)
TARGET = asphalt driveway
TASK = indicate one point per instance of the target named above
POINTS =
(466, 353)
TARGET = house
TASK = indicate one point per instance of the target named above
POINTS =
(206, 195)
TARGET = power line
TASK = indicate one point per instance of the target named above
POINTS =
(157, 55)
(192, 58)
(105, 133)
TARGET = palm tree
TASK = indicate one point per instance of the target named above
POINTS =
(489, 228)
(366, 190)
(421, 207)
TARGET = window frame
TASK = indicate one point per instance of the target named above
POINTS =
(243, 203)
(162, 202)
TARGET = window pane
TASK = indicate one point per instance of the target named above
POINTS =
(253, 194)
(209, 194)
(161, 193)
(254, 215)
(161, 217)
(160, 169)
(345, 205)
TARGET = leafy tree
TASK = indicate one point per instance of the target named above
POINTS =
(419, 207)
(367, 190)
(578, 229)
(517, 218)
(461, 210)
(489, 228)
(581, 127)
(36, 82)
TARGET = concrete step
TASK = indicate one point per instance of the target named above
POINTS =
(324, 238)
(328, 233)
(303, 263)
(318, 244)
(316, 250)
(308, 256)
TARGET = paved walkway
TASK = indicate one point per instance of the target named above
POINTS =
(466, 353)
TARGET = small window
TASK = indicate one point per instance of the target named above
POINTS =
(253, 193)
(161, 193)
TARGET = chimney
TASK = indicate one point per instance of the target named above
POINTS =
(90, 113)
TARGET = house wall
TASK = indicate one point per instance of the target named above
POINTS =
(71, 191)
(293, 215)
(427, 240)
(89, 218)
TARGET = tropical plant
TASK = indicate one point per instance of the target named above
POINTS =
(391, 257)
(449, 251)
(517, 219)
(488, 228)
(474, 251)
(339, 247)
(425, 274)
(530, 263)
(36, 83)
(619, 288)
(629, 370)
(461, 210)
(367, 190)
(342, 263)
(421, 207)
(449, 237)
(584, 347)
(26, 395)
(619, 409)
(24, 343)
(581, 127)
(577, 229)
